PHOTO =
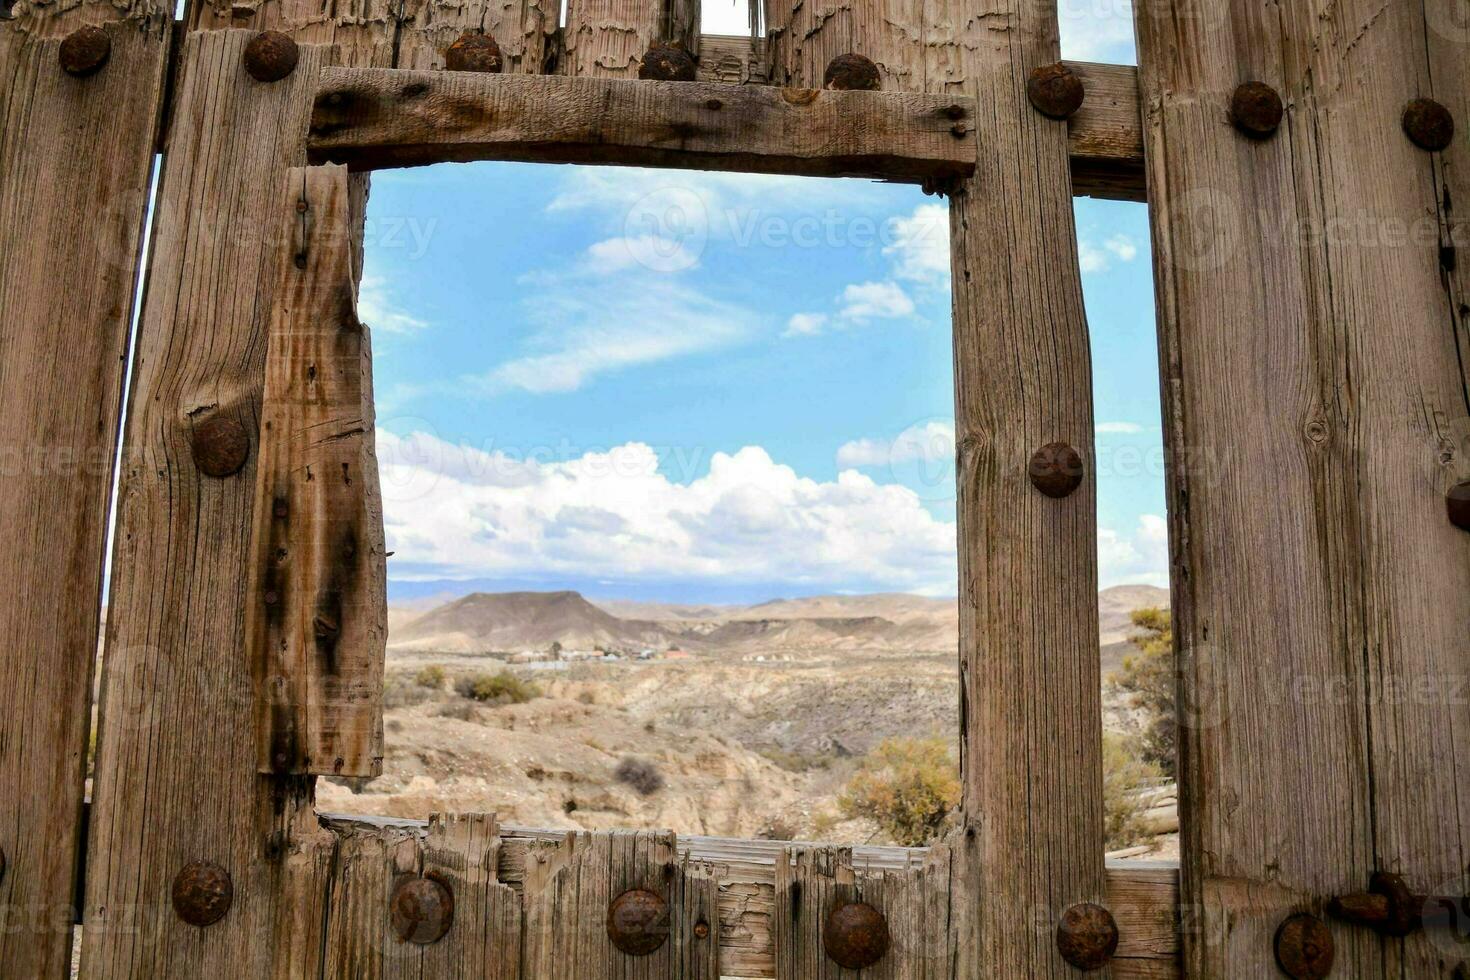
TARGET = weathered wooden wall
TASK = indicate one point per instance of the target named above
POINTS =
(75, 159)
(1312, 311)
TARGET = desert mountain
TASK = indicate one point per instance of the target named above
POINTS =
(509, 621)
(1114, 605)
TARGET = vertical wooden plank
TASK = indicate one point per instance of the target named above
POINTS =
(316, 622)
(1030, 685)
(524, 30)
(608, 38)
(1315, 403)
(75, 160)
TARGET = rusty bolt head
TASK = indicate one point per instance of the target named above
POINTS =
(474, 51)
(638, 922)
(1428, 124)
(271, 56)
(701, 930)
(202, 893)
(1087, 936)
(666, 63)
(852, 73)
(1304, 948)
(1256, 109)
(1054, 90)
(421, 910)
(855, 935)
(1457, 505)
(84, 51)
(219, 446)
(1056, 469)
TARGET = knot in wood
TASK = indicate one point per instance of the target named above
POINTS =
(421, 910)
(84, 51)
(219, 446)
(1054, 90)
(1304, 947)
(1056, 469)
(474, 51)
(1087, 936)
(852, 73)
(202, 893)
(1256, 109)
(1429, 125)
(666, 63)
(638, 922)
(271, 56)
(855, 935)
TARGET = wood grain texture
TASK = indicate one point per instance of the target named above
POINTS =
(374, 119)
(1029, 675)
(569, 884)
(75, 161)
(733, 60)
(176, 774)
(608, 38)
(316, 621)
(1312, 358)
(525, 30)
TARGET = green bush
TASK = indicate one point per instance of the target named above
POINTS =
(908, 787)
(431, 676)
(640, 774)
(1146, 682)
(501, 688)
(1125, 772)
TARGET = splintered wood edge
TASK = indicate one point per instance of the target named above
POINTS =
(1142, 895)
(374, 119)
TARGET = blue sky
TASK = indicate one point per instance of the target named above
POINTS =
(707, 387)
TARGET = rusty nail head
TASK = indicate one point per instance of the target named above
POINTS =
(202, 893)
(701, 930)
(1304, 947)
(271, 56)
(1087, 936)
(1256, 109)
(666, 63)
(714, 105)
(1388, 906)
(852, 73)
(1056, 469)
(219, 446)
(84, 51)
(474, 51)
(638, 922)
(1428, 124)
(855, 935)
(421, 910)
(1457, 505)
(1054, 90)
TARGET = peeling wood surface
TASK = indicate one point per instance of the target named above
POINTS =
(317, 614)
(524, 29)
(372, 119)
(733, 60)
(1321, 597)
(75, 160)
(608, 38)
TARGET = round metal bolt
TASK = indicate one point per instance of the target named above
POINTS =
(855, 935)
(474, 52)
(1087, 936)
(1304, 948)
(852, 73)
(1428, 124)
(638, 922)
(219, 446)
(1457, 505)
(1056, 469)
(84, 51)
(701, 930)
(421, 910)
(666, 63)
(1256, 109)
(271, 56)
(1054, 90)
(202, 893)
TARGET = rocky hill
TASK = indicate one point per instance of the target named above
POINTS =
(511, 621)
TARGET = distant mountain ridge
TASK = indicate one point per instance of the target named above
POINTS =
(513, 621)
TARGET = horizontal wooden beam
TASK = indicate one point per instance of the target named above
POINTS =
(1142, 895)
(373, 119)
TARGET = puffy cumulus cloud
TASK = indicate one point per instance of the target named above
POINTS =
(377, 308)
(1138, 555)
(919, 244)
(1097, 30)
(453, 511)
(805, 323)
(1094, 256)
(875, 300)
(929, 442)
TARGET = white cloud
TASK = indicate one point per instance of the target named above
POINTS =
(1093, 256)
(376, 308)
(1122, 246)
(920, 244)
(868, 300)
(1097, 30)
(1139, 555)
(1119, 428)
(651, 252)
(453, 511)
(929, 442)
(803, 324)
